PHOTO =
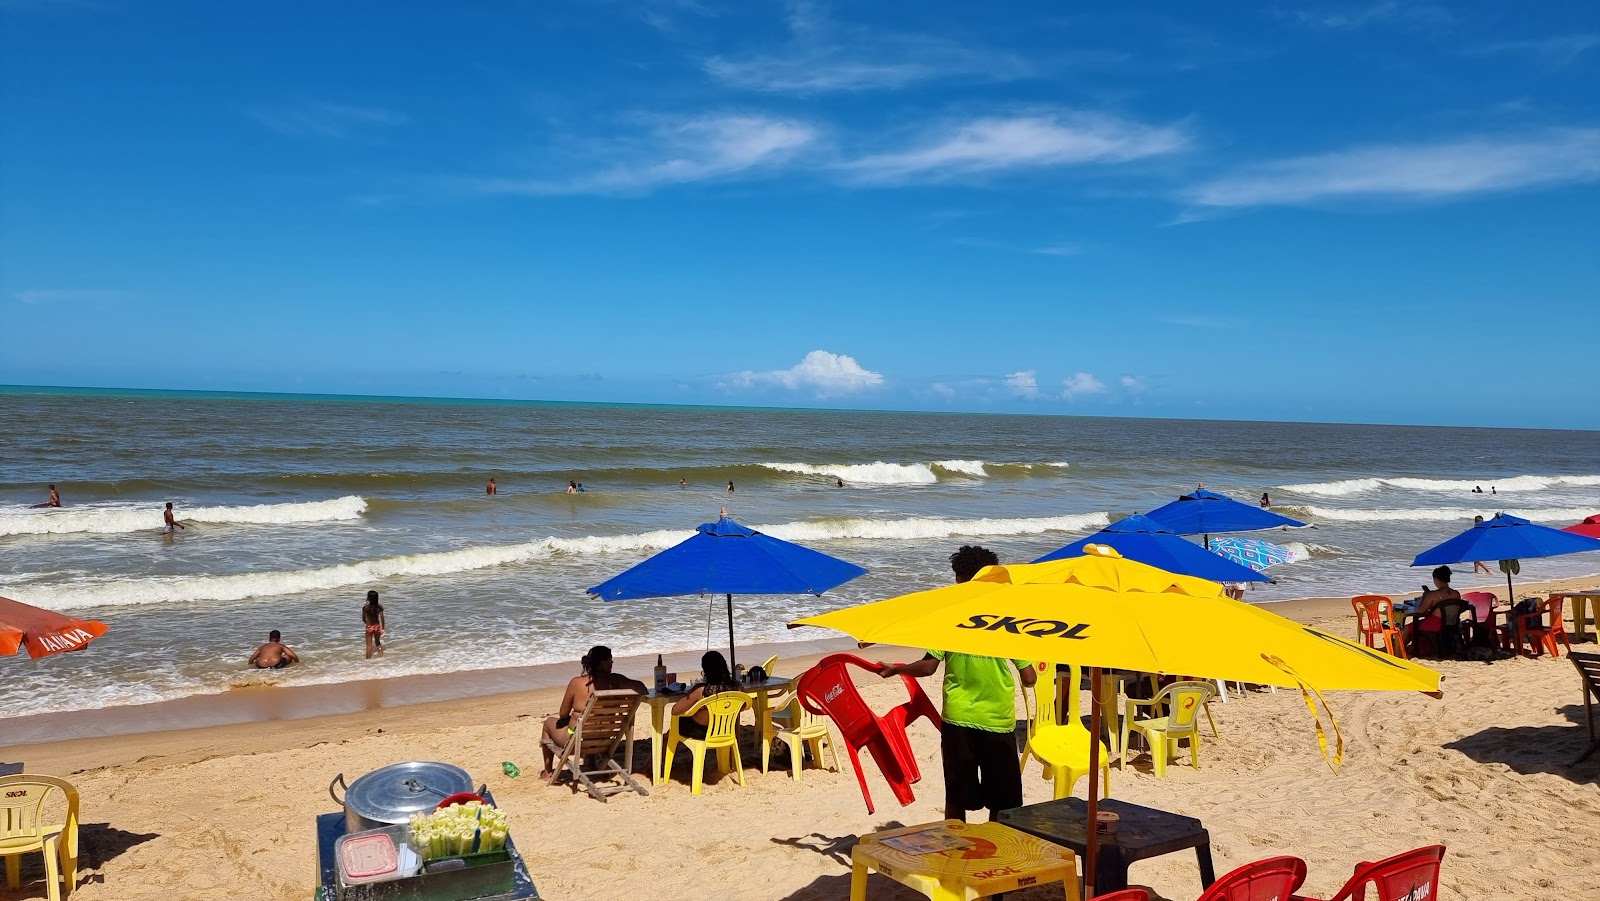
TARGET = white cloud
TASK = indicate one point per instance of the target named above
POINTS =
(1082, 384)
(1134, 384)
(1396, 13)
(319, 119)
(58, 296)
(941, 389)
(1059, 249)
(1024, 383)
(829, 374)
(1558, 50)
(677, 151)
(1433, 171)
(822, 56)
(1028, 141)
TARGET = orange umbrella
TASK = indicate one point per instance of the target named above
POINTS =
(45, 632)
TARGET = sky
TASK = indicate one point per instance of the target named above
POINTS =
(1365, 211)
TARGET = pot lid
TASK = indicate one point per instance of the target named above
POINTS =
(395, 792)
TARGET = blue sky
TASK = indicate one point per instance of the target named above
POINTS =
(1335, 211)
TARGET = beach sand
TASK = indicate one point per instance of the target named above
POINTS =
(227, 811)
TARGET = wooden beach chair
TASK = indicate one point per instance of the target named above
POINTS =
(605, 722)
(1589, 670)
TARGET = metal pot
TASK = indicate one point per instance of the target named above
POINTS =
(390, 795)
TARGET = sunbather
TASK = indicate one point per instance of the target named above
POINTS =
(597, 676)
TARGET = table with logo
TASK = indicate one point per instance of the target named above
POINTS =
(661, 702)
(1142, 832)
(993, 858)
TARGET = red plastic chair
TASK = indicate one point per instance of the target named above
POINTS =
(1412, 876)
(1272, 879)
(1483, 605)
(1127, 894)
(896, 719)
(826, 690)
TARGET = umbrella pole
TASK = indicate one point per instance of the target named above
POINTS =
(1091, 848)
(731, 661)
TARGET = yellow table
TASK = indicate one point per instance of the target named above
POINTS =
(660, 702)
(1580, 620)
(999, 859)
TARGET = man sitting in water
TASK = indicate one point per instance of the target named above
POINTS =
(274, 654)
(596, 676)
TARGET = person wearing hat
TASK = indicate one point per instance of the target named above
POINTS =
(1431, 598)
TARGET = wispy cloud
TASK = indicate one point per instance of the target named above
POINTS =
(827, 374)
(71, 296)
(1134, 384)
(1024, 384)
(1434, 171)
(1393, 13)
(823, 56)
(1039, 140)
(1556, 50)
(675, 151)
(1081, 384)
(320, 119)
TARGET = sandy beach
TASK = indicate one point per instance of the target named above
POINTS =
(226, 811)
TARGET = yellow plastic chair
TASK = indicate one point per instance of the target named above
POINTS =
(797, 728)
(1063, 748)
(1183, 701)
(23, 831)
(722, 736)
(770, 664)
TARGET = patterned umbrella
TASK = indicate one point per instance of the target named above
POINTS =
(1252, 552)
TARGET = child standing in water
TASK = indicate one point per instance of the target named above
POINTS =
(372, 619)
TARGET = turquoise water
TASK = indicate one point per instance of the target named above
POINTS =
(298, 505)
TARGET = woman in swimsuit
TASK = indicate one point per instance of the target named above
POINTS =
(596, 676)
(376, 625)
(717, 678)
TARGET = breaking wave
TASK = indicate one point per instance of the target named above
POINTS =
(881, 473)
(1345, 487)
(1436, 514)
(123, 518)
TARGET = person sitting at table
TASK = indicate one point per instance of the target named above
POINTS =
(1424, 618)
(716, 678)
(596, 676)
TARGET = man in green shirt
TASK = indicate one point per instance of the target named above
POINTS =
(978, 741)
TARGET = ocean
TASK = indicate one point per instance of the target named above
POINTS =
(296, 506)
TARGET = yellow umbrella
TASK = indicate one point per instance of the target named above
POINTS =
(1101, 610)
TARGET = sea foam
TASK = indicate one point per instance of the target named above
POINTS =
(880, 473)
(1344, 487)
(239, 586)
(120, 518)
(1438, 514)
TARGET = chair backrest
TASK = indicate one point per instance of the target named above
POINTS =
(1482, 603)
(1272, 879)
(1187, 700)
(722, 711)
(1589, 671)
(827, 690)
(606, 720)
(1371, 611)
(1552, 605)
(770, 665)
(1044, 697)
(1452, 611)
(1127, 894)
(1412, 876)
(22, 802)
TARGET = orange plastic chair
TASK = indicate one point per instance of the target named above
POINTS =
(1375, 621)
(23, 831)
(1412, 876)
(1540, 636)
(1274, 877)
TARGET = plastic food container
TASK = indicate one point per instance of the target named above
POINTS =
(377, 855)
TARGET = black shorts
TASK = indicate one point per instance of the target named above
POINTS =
(689, 728)
(981, 769)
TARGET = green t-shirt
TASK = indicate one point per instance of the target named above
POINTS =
(980, 692)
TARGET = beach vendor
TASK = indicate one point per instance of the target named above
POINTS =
(978, 741)
(596, 676)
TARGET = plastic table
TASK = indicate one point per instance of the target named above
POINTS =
(330, 828)
(758, 692)
(1000, 859)
(1142, 832)
(1580, 620)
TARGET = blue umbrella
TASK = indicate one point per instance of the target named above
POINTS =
(1203, 512)
(1252, 552)
(724, 557)
(1505, 538)
(1141, 538)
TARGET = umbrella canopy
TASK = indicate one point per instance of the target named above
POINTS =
(1508, 539)
(1105, 611)
(43, 632)
(1141, 538)
(724, 557)
(1203, 512)
(1251, 552)
(1590, 527)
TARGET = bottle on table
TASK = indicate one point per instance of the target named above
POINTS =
(661, 674)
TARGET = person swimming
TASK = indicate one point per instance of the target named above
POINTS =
(572, 487)
(274, 654)
(493, 489)
(730, 486)
(170, 521)
(1265, 501)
